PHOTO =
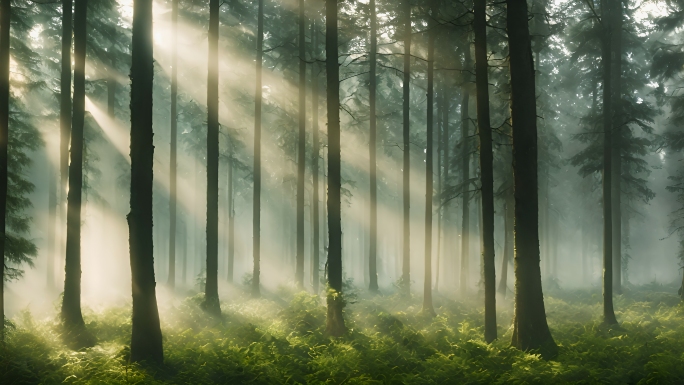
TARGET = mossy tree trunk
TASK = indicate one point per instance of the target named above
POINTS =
(406, 186)
(256, 213)
(301, 149)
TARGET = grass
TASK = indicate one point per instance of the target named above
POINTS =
(281, 341)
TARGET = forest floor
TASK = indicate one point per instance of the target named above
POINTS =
(281, 340)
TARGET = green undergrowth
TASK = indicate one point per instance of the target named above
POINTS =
(280, 340)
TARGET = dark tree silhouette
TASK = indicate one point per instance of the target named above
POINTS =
(406, 109)
(373, 244)
(486, 166)
(72, 318)
(301, 148)
(530, 329)
(256, 214)
(146, 337)
(211, 297)
(335, 320)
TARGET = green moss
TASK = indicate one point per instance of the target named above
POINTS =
(389, 342)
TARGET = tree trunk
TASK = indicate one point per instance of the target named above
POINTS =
(146, 337)
(301, 149)
(64, 115)
(486, 167)
(607, 61)
(184, 237)
(211, 297)
(335, 321)
(231, 218)
(509, 207)
(446, 212)
(5, 10)
(373, 250)
(616, 58)
(530, 329)
(174, 132)
(52, 226)
(71, 304)
(314, 127)
(465, 164)
(440, 141)
(406, 260)
(429, 169)
(256, 213)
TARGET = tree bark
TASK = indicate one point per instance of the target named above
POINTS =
(440, 141)
(406, 250)
(146, 337)
(211, 297)
(428, 308)
(530, 329)
(373, 249)
(509, 207)
(64, 114)
(301, 148)
(465, 165)
(606, 59)
(174, 132)
(231, 217)
(71, 304)
(486, 167)
(316, 149)
(335, 321)
(52, 227)
(256, 213)
(5, 10)
(616, 58)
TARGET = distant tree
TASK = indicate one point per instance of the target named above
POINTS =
(406, 110)
(428, 307)
(256, 215)
(173, 163)
(372, 88)
(530, 329)
(146, 337)
(315, 155)
(5, 9)
(335, 320)
(301, 146)
(465, 172)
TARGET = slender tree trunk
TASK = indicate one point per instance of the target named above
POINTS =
(440, 141)
(465, 164)
(64, 115)
(52, 226)
(184, 237)
(616, 58)
(174, 132)
(373, 250)
(429, 169)
(231, 218)
(607, 62)
(530, 329)
(256, 214)
(335, 321)
(509, 207)
(71, 304)
(5, 10)
(486, 167)
(315, 156)
(406, 261)
(211, 297)
(146, 337)
(301, 149)
(448, 241)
